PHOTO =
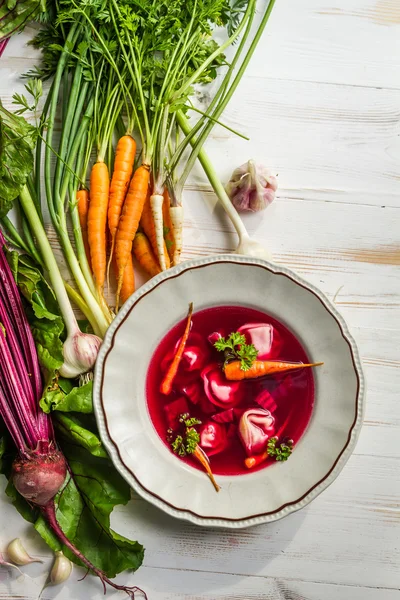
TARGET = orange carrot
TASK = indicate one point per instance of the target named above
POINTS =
(168, 227)
(144, 254)
(259, 368)
(123, 166)
(147, 224)
(82, 197)
(254, 461)
(166, 384)
(128, 281)
(97, 222)
(129, 221)
(204, 460)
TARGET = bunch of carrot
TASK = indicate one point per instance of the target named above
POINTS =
(117, 222)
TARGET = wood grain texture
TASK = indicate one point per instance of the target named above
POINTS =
(321, 104)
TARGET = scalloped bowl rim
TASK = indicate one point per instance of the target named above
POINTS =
(112, 446)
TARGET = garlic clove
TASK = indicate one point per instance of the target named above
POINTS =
(61, 569)
(18, 555)
(4, 563)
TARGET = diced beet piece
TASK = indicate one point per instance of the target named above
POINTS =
(194, 391)
(232, 431)
(206, 406)
(213, 438)
(174, 410)
(226, 416)
(266, 400)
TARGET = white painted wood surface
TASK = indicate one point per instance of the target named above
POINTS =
(321, 103)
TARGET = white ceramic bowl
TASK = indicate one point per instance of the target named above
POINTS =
(131, 440)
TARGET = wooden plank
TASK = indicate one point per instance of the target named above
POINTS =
(315, 136)
(359, 515)
(352, 42)
(178, 584)
(337, 41)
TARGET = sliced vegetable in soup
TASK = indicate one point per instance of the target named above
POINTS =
(230, 391)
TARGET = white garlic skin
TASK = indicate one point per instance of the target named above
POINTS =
(61, 569)
(18, 555)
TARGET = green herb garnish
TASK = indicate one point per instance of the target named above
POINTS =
(186, 442)
(280, 452)
(235, 348)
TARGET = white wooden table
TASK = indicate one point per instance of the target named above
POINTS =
(321, 103)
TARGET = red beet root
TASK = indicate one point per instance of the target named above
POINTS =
(38, 477)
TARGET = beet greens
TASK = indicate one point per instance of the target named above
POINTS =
(40, 469)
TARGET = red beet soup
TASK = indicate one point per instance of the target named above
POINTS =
(237, 417)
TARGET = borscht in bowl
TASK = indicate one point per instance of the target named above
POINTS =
(230, 390)
(208, 379)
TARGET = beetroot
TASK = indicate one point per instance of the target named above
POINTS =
(213, 438)
(193, 391)
(264, 337)
(205, 405)
(219, 391)
(226, 416)
(38, 477)
(256, 425)
(266, 400)
(39, 471)
(174, 410)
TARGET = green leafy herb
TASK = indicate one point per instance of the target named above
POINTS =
(17, 140)
(83, 506)
(236, 348)
(78, 399)
(93, 487)
(280, 452)
(14, 15)
(43, 314)
(185, 442)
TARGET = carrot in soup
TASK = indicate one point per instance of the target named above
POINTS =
(166, 384)
(202, 457)
(260, 368)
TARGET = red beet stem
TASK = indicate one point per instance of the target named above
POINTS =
(50, 515)
(9, 293)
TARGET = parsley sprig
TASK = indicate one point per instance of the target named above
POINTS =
(185, 442)
(236, 348)
(280, 452)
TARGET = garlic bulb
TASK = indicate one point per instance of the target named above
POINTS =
(61, 569)
(80, 352)
(251, 187)
(18, 555)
